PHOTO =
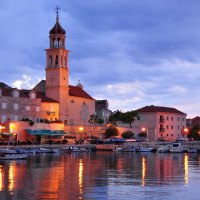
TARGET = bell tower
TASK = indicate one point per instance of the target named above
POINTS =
(57, 72)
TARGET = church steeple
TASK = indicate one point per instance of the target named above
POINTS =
(57, 74)
(57, 34)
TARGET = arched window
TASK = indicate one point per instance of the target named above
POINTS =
(61, 60)
(65, 61)
(50, 61)
(56, 61)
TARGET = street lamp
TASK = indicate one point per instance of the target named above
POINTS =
(186, 130)
(145, 130)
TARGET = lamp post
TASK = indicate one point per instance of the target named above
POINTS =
(145, 130)
(80, 130)
(186, 131)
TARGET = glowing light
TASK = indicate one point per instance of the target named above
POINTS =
(186, 170)
(11, 127)
(143, 170)
(1, 178)
(144, 129)
(80, 176)
(81, 128)
(11, 178)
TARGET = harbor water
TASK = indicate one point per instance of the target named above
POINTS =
(101, 175)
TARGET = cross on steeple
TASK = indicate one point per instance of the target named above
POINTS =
(57, 9)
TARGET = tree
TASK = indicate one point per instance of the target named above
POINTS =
(127, 117)
(111, 131)
(94, 119)
(128, 134)
(194, 133)
(114, 117)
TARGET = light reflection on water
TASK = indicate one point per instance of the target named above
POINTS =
(101, 175)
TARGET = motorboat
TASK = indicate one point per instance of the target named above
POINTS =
(163, 149)
(8, 151)
(4, 156)
(144, 149)
(124, 149)
(74, 149)
(176, 148)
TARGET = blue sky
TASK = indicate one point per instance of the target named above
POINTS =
(132, 53)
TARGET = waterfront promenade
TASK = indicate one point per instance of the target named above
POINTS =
(104, 147)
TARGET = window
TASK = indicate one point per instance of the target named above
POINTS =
(3, 118)
(56, 61)
(16, 118)
(167, 118)
(167, 127)
(37, 109)
(15, 106)
(178, 118)
(33, 95)
(177, 127)
(15, 93)
(4, 105)
(50, 61)
(172, 127)
(72, 101)
(28, 108)
(172, 135)
(172, 118)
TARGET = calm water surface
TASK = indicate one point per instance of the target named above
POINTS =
(101, 175)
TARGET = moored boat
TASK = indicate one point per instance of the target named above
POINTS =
(75, 149)
(12, 156)
(176, 148)
(124, 149)
(144, 149)
(163, 149)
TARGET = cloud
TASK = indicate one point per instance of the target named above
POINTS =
(133, 53)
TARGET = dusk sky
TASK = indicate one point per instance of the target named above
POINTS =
(132, 53)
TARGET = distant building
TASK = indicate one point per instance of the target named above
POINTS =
(102, 111)
(160, 123)
(193, 122)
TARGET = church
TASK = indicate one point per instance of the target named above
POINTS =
(62, 106)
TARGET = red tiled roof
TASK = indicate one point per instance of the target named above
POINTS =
(78, 92)
(154, 109)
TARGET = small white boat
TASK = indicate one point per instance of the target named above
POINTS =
(163, 149)
(75, 149)
(124, 149)
(8, 151)
(144, 149)
(176, 148)
(12, 156)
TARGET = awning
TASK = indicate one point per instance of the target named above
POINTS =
(45, 132)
